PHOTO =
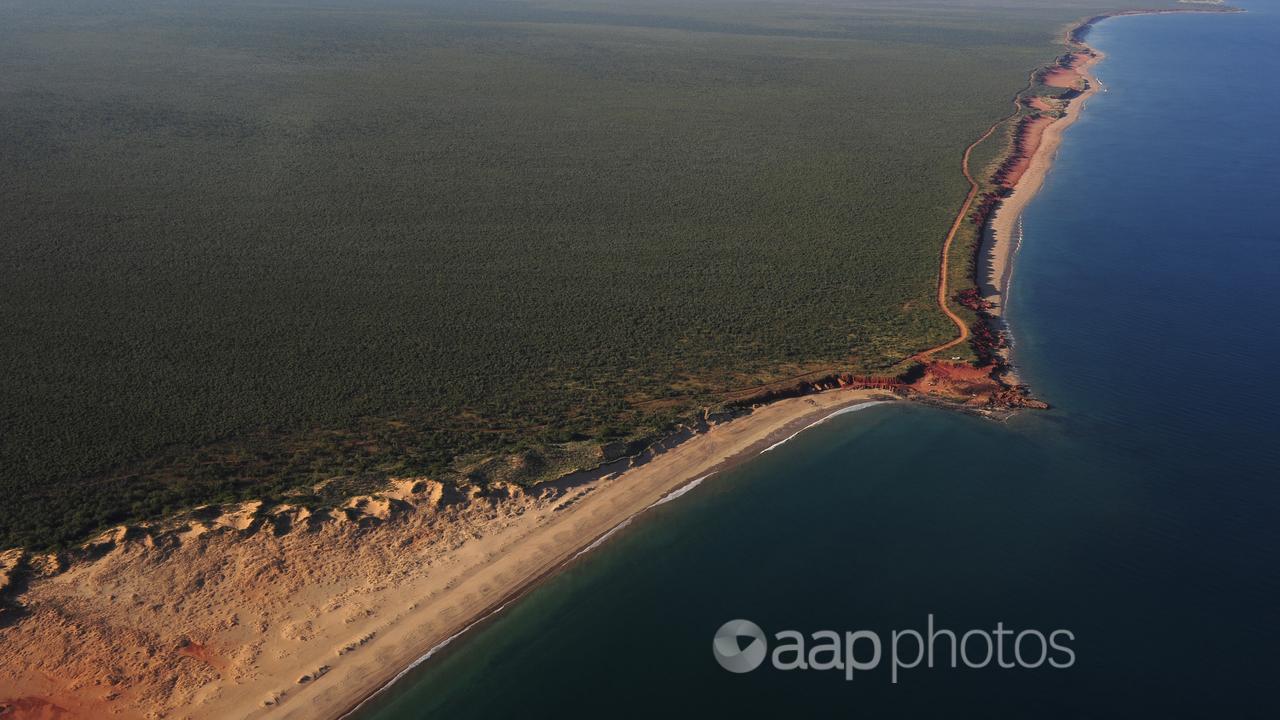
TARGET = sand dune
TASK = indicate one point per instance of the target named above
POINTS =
(284, 612)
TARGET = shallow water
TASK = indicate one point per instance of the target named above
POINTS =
(1142, 513)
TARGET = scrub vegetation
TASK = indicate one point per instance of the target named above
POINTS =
(268, 249)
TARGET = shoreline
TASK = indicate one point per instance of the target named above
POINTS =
(309, 615)
(672, 492)
(1001, 233)
(1000, 239)
(998, 242)
(348, 628)
(793, 417)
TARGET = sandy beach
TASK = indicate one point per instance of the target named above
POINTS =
(1001, 238)
(286, 613)
(1002, 235)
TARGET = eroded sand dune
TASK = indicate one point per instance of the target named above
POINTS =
(286, 612)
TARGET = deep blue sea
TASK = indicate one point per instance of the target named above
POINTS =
(1142, 513)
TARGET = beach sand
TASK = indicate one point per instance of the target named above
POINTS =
(1001, 238)
(286, 613)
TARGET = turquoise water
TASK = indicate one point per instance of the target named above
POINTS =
(1142, 513)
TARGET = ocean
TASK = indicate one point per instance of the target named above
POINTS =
(1141, 514)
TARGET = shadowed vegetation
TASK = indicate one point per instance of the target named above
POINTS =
(252, 246)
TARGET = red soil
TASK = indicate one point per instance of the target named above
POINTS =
(33, 708)
(204, 655)
(1062, 77)
(1065, 73)
(1026, 140)
(972, 386)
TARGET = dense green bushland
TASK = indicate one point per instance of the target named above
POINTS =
(249, 246)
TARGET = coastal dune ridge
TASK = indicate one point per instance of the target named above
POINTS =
(285, 612)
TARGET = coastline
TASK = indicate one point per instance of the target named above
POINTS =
(357, 635)
(661, 481)
(998, 248)
(1000, 237)
(287, 613)
(1001, 232)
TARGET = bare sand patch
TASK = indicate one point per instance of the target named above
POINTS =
(1062, 77)
(287, 613)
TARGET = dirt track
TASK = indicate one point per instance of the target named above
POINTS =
(955, 228)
